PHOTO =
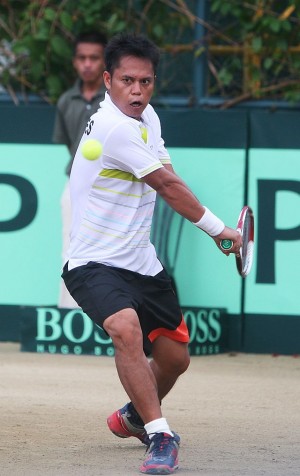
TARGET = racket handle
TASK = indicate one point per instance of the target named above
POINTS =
(226, 244)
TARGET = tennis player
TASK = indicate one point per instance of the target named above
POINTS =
(112, 270)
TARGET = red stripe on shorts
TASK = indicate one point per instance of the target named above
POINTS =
(180, 334)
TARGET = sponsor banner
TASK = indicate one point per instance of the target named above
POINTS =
(65, 331)
(272, 334)
(208, 330)
(204, 276)
(272, 287)
(10, 317)
(62, 331)
(32, 179)
(31, 183)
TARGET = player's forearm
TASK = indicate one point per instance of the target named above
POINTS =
(182, 200)
(177, 194)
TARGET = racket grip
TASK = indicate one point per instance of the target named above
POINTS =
(226, 244)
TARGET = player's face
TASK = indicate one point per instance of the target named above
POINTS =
(131, 85)
(89, 62)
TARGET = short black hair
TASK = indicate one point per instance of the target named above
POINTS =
(91, 37)
(130, 44)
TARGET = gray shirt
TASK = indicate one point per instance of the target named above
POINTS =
(72, 114)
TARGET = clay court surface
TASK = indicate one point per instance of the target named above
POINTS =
(236, 414)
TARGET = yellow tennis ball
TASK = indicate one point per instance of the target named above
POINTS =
(91, 149)
(144, 133)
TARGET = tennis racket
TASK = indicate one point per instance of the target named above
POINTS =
(245, 227)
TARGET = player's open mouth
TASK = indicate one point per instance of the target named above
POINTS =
(136, 104)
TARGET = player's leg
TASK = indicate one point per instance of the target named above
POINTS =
(133, 368)
(163, 324)
(170, 360)
(139, 382)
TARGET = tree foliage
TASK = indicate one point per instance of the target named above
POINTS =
(250, 49)
(264, 36)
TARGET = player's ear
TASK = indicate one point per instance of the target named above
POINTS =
(107, 79)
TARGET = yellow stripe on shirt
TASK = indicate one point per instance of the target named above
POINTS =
(119, 174)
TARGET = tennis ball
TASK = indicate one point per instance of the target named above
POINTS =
(144, 133)
(91, 149)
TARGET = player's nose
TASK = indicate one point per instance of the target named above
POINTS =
(136, 88)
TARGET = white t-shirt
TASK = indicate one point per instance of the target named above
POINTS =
(112, 208)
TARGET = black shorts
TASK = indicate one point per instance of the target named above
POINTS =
(104, 290)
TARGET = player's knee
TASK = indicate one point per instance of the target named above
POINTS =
(178, 363)
(124, 330)
(183, 363)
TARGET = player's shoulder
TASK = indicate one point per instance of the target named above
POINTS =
(111, 128)
(115, 119)
(150, 116)
(150, 111)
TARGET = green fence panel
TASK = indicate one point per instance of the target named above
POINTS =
(204, 276)
(274, 191)
(31, 182)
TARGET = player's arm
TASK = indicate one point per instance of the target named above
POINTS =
(175, 192)
(178, 195)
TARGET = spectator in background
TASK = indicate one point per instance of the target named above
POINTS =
(74, 109)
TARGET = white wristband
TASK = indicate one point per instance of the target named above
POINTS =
(210, 223)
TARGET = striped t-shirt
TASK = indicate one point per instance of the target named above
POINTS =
(112, 207)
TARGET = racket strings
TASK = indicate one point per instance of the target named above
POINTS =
(247, 245)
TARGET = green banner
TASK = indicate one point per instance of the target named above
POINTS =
(205, 277)
(274, 193)
(31, 182)
(65, 331)
(32, 179)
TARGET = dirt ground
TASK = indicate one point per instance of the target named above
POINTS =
(237, 415)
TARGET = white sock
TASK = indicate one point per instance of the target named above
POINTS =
(159, 425)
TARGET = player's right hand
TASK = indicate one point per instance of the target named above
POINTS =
(229, 234)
